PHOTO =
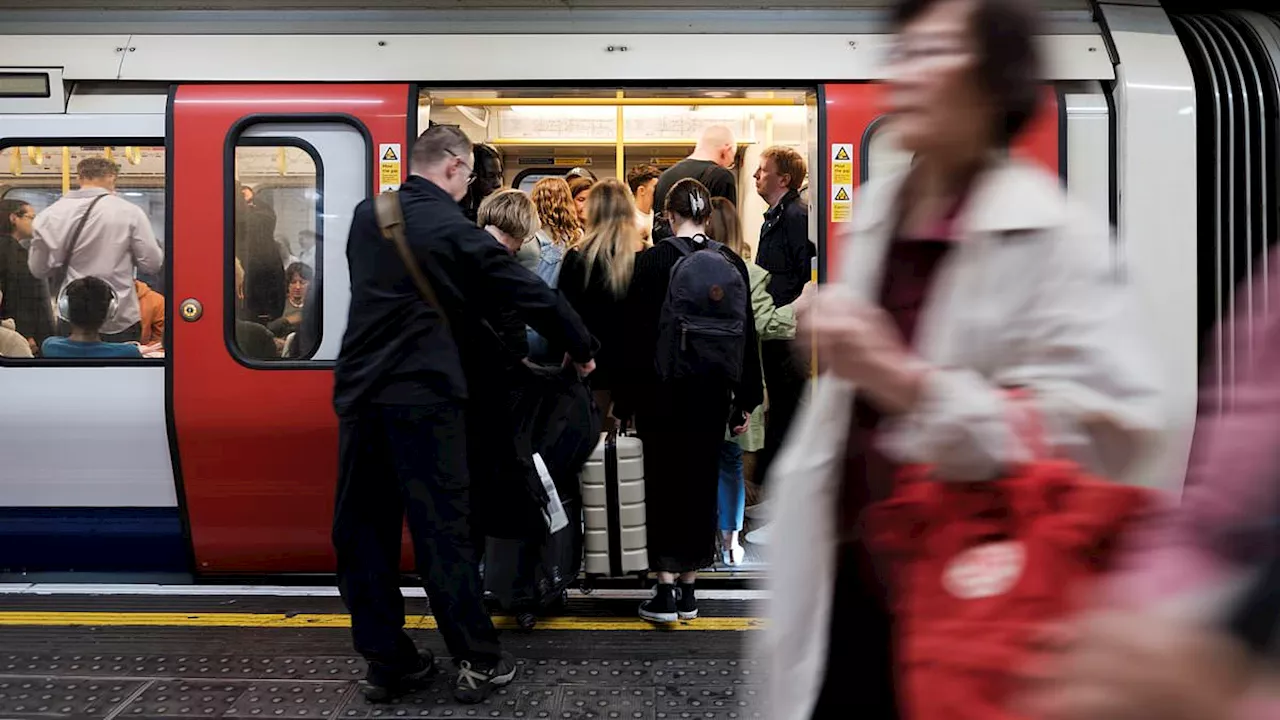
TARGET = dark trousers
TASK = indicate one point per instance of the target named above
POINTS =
(860, 674)
(393, 460)
(784, 377)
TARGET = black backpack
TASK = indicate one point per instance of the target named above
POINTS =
(701, 332)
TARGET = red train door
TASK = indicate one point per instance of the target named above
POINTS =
(854, 149)
(265, 177)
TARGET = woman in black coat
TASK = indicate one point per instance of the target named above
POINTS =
(681, 421)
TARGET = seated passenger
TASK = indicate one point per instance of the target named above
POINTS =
(86, 304)
(151, 303)
(12, 343)
(299, 278)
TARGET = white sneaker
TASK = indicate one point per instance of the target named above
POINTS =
(759, 536)
(733, 555)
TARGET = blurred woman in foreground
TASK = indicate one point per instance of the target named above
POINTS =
(966, 275)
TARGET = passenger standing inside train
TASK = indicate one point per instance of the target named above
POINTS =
(966, 275)
(26, 297)
(772, 322)
(710, 164)
(113, 243)
(400, 390)
(578, 188)
(266, 284)
(786, 252)
(488, 165)
(643, 180)
(682, 419)
(595, 278)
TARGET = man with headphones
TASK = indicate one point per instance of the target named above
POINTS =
(86, 304)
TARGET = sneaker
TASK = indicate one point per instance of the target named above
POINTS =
(733, 555)
(686, 603)
(475, 682)
(759, 536)
(383, 685)
(661, 608)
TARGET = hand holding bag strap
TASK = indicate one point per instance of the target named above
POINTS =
(391, 221)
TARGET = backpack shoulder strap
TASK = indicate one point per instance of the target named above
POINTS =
(391, 221)
(679, 244)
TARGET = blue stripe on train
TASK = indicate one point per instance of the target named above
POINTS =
(92, 540)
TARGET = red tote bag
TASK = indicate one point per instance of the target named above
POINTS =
(980, 570)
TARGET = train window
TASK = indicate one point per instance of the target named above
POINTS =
(881, 154)
(277, 202)
(45, 180)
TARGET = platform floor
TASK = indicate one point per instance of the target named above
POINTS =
(259, 656)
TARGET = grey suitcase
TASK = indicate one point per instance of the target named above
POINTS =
(616, 539)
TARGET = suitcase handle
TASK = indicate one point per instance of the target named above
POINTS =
(613, 500)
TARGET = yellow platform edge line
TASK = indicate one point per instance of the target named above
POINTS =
(333, 620)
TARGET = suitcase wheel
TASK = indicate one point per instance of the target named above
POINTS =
(527, 621)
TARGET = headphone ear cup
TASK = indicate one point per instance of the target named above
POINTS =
(63, 306)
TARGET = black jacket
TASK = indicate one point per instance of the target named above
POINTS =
(638, 381)
(395, 349)
(785, 249)
(26, 298)
(718, 181)
(588, 291)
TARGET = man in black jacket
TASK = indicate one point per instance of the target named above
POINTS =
(401, 395)
(787, 253)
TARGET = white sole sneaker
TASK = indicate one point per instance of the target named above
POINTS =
(686, 616)
(654, 617)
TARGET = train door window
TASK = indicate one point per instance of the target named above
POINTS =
(33, 180)
(881, 153)
(277, 229)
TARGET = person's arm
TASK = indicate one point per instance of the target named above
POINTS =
(500, 276)
(44, 255)
(772, 322)
(1079, 357)
(748, 394)
(147, 254)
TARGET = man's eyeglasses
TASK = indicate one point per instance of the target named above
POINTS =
(472, 176)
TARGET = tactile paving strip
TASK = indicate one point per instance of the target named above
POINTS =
(220, 667)
(61, 697)
(272, 699)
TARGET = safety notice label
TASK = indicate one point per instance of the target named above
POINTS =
(841, 203)
(389, 165)
(841, 163)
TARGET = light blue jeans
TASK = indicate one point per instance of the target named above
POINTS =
(732, 497)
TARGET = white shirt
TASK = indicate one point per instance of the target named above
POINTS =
(644, 221)
(117, 239)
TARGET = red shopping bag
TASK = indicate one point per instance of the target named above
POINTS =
(980, 570)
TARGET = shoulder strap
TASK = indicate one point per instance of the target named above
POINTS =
(679, 244)
(75, 234)
(391, 222)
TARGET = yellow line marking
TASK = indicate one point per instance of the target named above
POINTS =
(334, 620)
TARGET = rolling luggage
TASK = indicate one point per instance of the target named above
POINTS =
(613, 503)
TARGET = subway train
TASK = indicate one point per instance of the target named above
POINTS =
(213, 462)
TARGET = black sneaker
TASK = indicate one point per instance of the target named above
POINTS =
(475, 682)
(383, 685)
(686, 603)
(661, 608)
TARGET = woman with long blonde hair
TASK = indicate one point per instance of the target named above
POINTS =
(596, 274)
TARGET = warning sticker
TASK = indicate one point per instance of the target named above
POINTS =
(841, 163)
(389, 167)
(841, 203)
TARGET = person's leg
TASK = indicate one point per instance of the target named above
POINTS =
(429, 449)
(731, 500)
(368, 515)
(785, 378)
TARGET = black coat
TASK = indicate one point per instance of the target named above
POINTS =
(395, 349)
(785, 249)
(26, 298)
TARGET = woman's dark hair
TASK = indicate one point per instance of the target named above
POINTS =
(689, 199)
(301, 269)
(7, 208)
(1008, 56)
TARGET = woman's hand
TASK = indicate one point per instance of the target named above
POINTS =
(859, 342)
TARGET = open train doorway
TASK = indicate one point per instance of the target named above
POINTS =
(633, 133)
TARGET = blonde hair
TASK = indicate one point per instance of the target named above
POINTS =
(724, 228)
(556, 210)
(612, 236)
(512, 212)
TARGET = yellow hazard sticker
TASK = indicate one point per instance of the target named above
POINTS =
(841, 203)
(389, 166)
(841, 164)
